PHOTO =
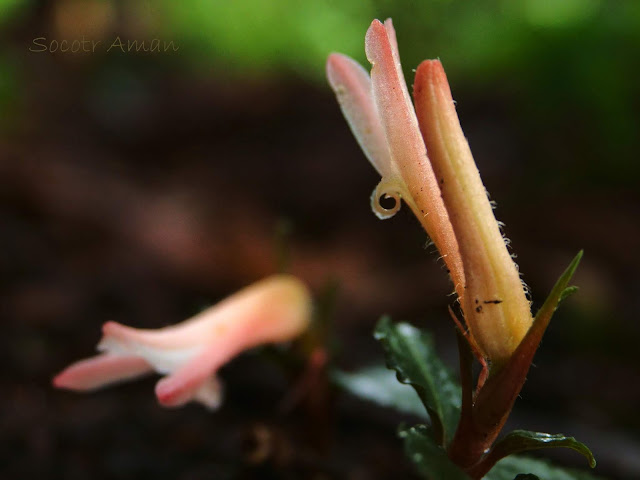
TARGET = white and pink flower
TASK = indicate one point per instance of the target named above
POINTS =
(274, 310)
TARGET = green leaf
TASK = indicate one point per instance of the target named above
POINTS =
(526, 476)
(430, 459)
(377, 384)
(560, 291)
(523, 440)
(510, 467)
(567, 292)
(411, 353)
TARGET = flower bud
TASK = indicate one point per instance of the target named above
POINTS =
(495, 307)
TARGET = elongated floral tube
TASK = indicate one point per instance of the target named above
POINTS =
(381, 116)
(276, 309)
(496, 309)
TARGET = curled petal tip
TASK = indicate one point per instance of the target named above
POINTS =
(389, 190)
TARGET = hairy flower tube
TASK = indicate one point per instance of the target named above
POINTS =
(276, 309)
(425, 160)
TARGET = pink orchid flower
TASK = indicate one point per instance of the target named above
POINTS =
(425, 160)
(276, 309)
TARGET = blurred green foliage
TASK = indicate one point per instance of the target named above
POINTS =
(567, 68)
(7, 9)
(582, 55)
(267, 35)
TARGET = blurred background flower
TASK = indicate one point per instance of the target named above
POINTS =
(143, 187)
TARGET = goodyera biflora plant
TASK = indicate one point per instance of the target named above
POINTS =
(276, 309)
(425, 160)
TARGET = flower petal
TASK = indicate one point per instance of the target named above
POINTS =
(392, 100)
(100, 371)
(193, 381)
(393, 40)
(157, 350)
(210, 393)
(352, 86)
(407, 148)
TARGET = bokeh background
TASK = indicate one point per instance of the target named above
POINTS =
(142, 187)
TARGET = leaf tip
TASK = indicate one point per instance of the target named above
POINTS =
(567, 292)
